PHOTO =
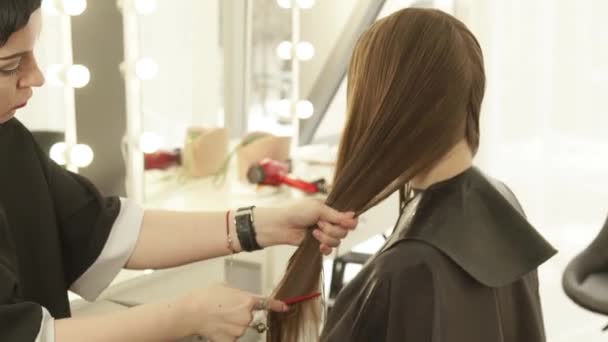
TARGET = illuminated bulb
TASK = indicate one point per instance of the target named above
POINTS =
(306, 3)
(284, 50)
(74, 7)
(145, 6)
(58, 153)
(77, 76)
(284, 3)
(150, 142)
(305, 51)
(146, 69)
(304, 109)
(81, 155)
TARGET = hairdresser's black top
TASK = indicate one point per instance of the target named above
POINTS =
(53, 226)
(460, 266)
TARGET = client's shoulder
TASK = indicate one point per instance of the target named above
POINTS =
(409, 255)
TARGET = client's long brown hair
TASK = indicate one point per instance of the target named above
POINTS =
(415, 87)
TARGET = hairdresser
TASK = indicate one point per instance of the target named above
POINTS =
(57, 233)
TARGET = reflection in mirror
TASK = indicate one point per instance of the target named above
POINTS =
(178, 69)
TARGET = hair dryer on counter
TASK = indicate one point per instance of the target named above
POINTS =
(162, 160)
(276, 173)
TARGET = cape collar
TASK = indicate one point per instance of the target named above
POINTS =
(478, 223)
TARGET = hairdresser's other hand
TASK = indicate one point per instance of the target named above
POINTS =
(289, 225)
(221, 313)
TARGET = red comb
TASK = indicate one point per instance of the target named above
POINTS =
(296, 300)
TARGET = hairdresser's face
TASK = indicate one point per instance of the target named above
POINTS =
(19, 72)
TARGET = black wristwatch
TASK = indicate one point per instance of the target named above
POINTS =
(245, 229)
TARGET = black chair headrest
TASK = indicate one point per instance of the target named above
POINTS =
(585, 279)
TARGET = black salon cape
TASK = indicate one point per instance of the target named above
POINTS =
(462, 268)
(53, 225)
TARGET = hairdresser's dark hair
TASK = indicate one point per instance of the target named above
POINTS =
(415, 86)
(14, 15)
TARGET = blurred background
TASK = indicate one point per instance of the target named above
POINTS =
(158, 99)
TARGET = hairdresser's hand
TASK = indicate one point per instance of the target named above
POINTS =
(221, 313)
(289, 225)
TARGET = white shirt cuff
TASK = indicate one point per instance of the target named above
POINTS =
(47, 328)
(115, 254)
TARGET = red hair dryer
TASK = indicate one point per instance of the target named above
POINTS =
(162, 160)
(275, 173)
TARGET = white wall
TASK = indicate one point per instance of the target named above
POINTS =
(544, 107)
(543, 129)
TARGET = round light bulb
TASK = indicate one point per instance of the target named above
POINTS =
(305, 51)
(146, 69)
(145, 6)
(306, 3)
(74, 7)
(284, 50)
(304, 109)
(284, 3)
(150, 142)
(58, 153)
(81, 155)
(78, 76)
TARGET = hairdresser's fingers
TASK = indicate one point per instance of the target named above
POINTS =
(350, 223)
(336, 232)
(326, 239)
(335, 217)
(276, 305)
(269, 304)
(325, 249)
